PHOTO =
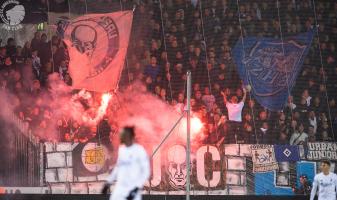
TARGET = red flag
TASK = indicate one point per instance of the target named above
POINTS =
(97, 45)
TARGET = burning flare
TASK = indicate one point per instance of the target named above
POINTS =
(196, 127)
(104, 105)
(101, 111)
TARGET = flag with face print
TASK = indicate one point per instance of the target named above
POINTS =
(97, 46)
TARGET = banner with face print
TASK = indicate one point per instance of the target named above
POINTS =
(215, 170)
(97, 45)
(169, 170)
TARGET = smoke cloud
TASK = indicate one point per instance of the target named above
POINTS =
(152, 118)
(133, 106)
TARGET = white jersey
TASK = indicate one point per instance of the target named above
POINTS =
(234, 111)
(327, 186)
(131, 170)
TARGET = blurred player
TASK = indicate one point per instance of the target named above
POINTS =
(131, 171)
(326, 182)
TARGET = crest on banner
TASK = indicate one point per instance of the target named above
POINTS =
(97, 46)
(270, 66)
(263, 157)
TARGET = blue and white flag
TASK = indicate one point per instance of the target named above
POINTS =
(270, 67)
(287, 153)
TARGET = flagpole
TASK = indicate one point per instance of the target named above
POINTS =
(167, 135)
(188, 142)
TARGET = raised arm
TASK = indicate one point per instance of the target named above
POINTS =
(244, 94)
(314, 189)
(224, 95)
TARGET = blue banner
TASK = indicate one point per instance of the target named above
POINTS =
(287, 153)
(271, 67)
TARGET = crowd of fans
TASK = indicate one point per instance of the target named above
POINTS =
(199, 36)
(173, 36)
(24, 73)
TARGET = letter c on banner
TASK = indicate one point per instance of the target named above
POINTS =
(201, 166)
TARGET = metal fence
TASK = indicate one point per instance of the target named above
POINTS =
(21, 154)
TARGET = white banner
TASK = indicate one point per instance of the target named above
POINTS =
(263, 157)
(322, 150)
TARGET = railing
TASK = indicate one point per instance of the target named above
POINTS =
(23, 165)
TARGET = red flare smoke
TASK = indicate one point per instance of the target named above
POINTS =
(196, 127)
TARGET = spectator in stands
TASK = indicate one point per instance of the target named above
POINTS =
(18, 58)
(325, 135)
(312, 121)
(234, 108)
(62, 69)
(11, 48)
(44, 50)
(311, 133)
(60, 55)
(316, 106)
(45, 72)
(36, 88)
(262, 117)
(302, 108)
(299, 137)
(27, 50)
(208, 99)
(163, 94)
(189, 40)
(178, 79)
(152, 70)
(248, 136)
(252, 109)
(36, 64)
(5, 60)
(264, 134)
(157, 89)
(283, 137)
(181, 103)
(290, 105)
(35, 43)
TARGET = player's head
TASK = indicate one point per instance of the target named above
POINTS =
(325, 166)
(127, 135)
